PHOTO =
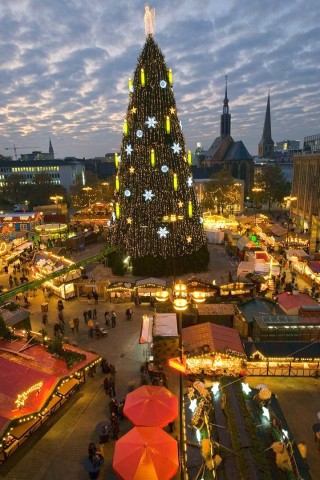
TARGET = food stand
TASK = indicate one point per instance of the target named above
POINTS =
(236, 290)
(145, 290)
(46, 263)
(209, 289)
(119, 292)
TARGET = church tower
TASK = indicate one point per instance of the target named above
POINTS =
(51, 152)
(266, 144)
(225, 125)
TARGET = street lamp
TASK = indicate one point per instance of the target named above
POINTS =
(180, 298)
(56, 199)
(256, 190)
(88, 190)
(289, 200)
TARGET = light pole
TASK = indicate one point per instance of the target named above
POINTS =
(180, 298)
(255, 191)
(289, 200)
(56, 199)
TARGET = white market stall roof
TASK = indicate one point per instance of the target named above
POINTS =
(299, 253)
(151, 281)
(244, 242)
(165, 325)
(277, 230)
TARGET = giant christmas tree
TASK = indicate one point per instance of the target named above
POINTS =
(157, 217)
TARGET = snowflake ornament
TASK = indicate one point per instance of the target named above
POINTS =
(148, 195)
(127, 192)
(129, 149)
(164, 169)
(189, 181)
(176, 148)
(163, 84)
(139, 133)
(151, 122)
(163, 232)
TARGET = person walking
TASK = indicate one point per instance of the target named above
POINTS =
(90, 327)
(94, 314)
(76, 324)
(71, 325)
(107, 318)
(11, 281)
(85, 316)
(113, 319)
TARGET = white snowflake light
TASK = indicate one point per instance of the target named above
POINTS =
(127, 193)
(139, 133)
(176, 148)
(190, 181)
(245, 388)
(163, 232)
(193, 404)
(129, 149)
(164, 169)
(148, 195)
(163, 84)
(151, 122)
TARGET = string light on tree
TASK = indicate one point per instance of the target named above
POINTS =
(153, 165)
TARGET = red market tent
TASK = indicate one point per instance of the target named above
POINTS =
(146, 453)
(151, 406)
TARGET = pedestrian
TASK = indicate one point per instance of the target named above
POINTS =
(116, 297)
(76, 324)
(115, 426)
(11, 281)
(106, 385)
(71, 325)
(112, 387)
(113, 319)
(89, 314)
(94, 314)
(85, 316)
(90, 327)
(96, 297)
(15, 281)
(129, 313)
(107, 318)
(112, 406)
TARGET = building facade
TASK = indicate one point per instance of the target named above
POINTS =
(62, 172)
(312, 143)
(305, 210)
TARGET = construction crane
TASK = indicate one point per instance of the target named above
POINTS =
(14, 148)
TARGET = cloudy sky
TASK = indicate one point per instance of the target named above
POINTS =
(65, 66)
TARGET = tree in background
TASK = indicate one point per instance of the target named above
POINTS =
(101, 190)
(157, 215)
(221, 192)
(275, 186)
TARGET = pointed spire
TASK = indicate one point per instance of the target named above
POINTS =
(51, 152)
(266, 144)
(225, 125)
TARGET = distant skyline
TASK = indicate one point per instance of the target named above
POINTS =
(65, 67)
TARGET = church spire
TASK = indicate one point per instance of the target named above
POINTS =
(225, 125)
(266, 144)
(51, 152)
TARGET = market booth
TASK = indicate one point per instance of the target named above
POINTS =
(85, 289)
(36, 384)
(235, 290)
(46, 263)
(209, 289)
(213, 350)
(145, 290)
(119, 292)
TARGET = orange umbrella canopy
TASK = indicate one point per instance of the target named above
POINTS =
(151, 406)
(146, 453)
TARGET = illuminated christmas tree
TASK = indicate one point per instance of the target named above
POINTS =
(157, 215)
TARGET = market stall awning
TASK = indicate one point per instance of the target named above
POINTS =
(277, 230)
(146, 453)
(151, 281)
(165, 325)
(146, 330)
(217, 337)
(151, 406)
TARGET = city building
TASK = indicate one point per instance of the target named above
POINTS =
(286, 145)
(312, 143)
(305, 206)
(38, 155)
(225, 153)
(62, 172)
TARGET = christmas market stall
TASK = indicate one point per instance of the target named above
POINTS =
(213, 350)
(119, 292)
(236, 290)
(46, 263)
(210, 290)
(145, 290)
(86, 289)
(38, 379)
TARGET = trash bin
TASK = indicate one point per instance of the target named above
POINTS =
(44, 307)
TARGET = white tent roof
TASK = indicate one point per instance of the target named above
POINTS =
(151, 281)
(165, 325)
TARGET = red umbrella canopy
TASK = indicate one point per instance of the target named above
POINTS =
(151, 406)
(146, 453)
